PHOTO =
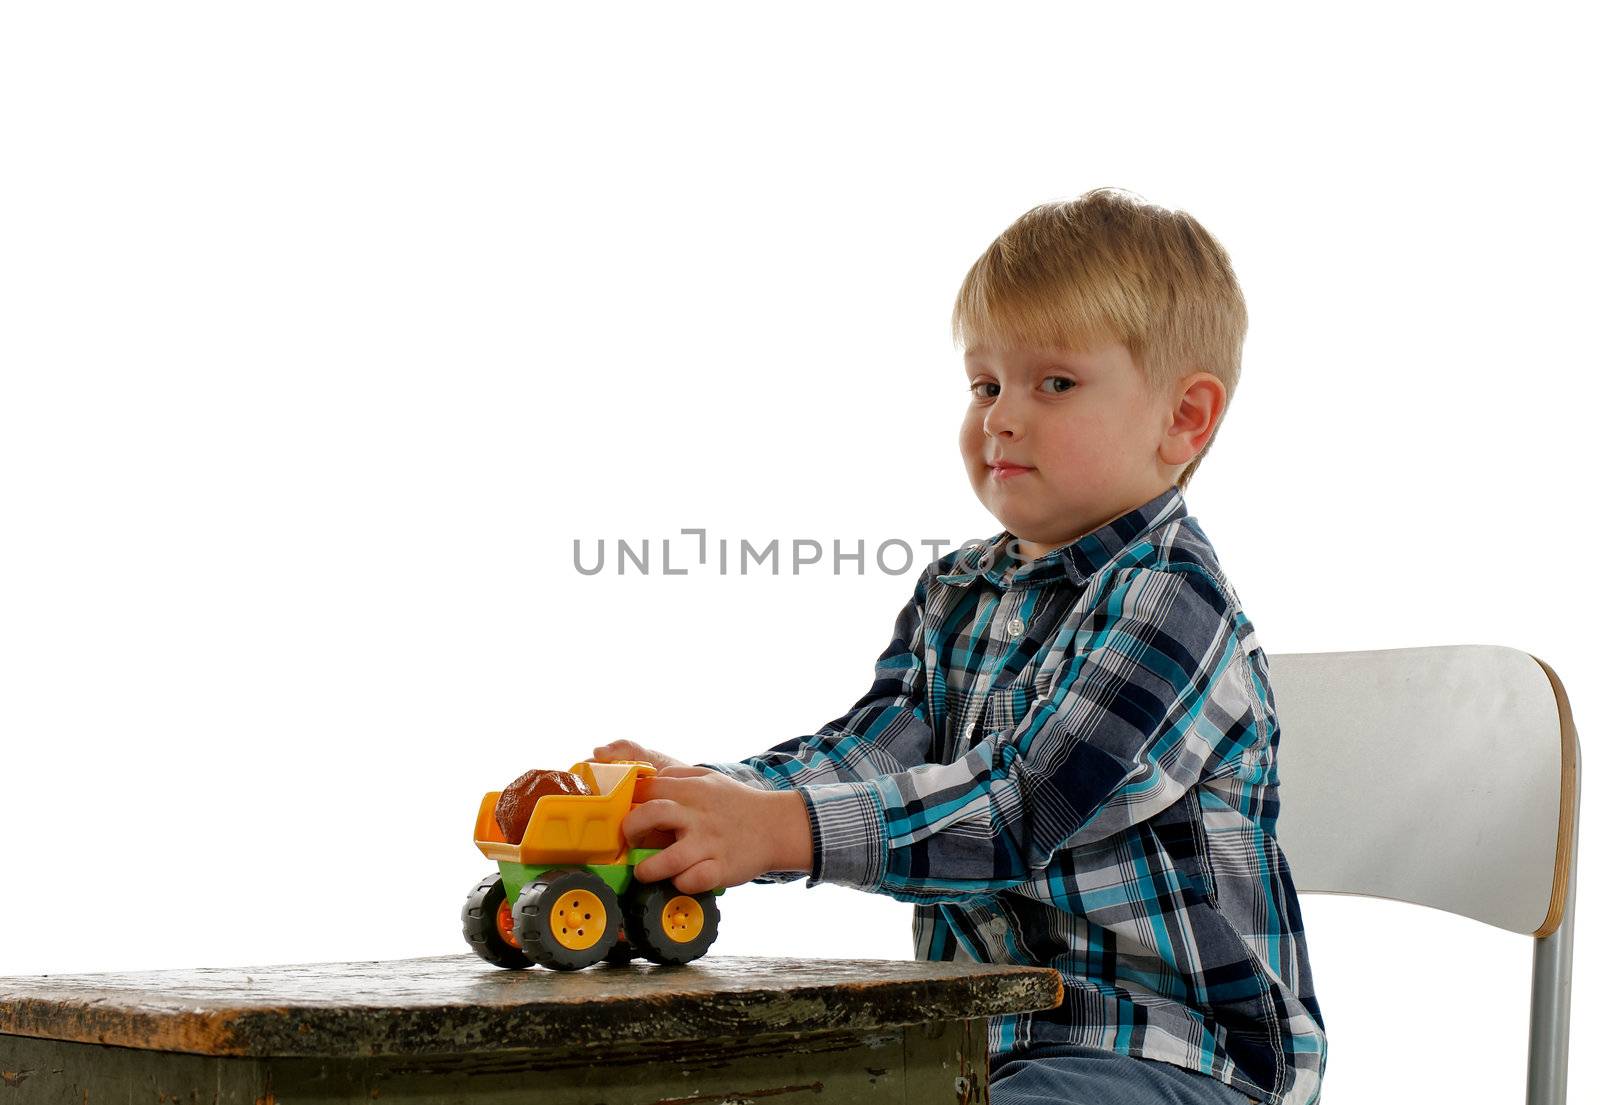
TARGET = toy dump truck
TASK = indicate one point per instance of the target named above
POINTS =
(565, 896)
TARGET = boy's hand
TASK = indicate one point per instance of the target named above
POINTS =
(628, 750)
(727, 833)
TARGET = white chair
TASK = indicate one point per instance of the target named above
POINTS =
(1445, 776)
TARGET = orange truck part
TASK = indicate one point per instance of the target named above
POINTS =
(569, 828)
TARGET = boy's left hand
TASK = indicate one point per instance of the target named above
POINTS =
(727, 833)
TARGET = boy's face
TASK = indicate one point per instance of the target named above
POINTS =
(1085, 429)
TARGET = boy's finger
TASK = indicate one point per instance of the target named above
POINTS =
(674, 787)
(699, 877)
(652, 815)
(666, 863)
(618, 750)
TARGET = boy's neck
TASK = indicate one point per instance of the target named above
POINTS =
(1028, 550)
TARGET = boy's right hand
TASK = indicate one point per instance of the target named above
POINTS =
(629, 750)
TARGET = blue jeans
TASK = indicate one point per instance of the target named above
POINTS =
(1066, 1074)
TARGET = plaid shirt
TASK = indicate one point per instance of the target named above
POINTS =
(1071, 761)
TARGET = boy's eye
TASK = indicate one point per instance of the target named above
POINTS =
(1066, 382)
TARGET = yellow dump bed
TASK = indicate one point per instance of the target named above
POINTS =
(569, 828)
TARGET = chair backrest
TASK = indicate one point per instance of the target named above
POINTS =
(1448, 776)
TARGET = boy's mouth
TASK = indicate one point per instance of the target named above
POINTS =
(1005, 469)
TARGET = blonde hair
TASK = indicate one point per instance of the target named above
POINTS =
(1108, 267)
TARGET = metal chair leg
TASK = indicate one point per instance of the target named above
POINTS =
(1549, 1019)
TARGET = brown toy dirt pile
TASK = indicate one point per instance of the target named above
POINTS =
(515, 807)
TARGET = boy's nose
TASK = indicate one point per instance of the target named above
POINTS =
(998, 423)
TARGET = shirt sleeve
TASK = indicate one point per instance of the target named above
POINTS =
(886, 731)
(1131, 721)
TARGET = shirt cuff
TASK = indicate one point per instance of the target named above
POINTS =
(849, 835)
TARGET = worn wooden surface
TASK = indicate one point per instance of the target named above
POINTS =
(928, 1064)
(458, 1005)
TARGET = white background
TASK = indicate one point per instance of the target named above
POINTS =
(327, 328)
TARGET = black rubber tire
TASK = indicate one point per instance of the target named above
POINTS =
(623, 950)
(642, 916)
(536, 912)
(479, 927)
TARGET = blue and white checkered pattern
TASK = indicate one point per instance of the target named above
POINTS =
(1071, 761)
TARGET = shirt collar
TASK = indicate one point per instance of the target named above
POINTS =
(1077, 560)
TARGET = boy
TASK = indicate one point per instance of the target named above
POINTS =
(1067, 756)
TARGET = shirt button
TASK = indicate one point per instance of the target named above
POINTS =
(1014, 627)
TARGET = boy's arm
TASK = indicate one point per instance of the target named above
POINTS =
(885, 731)
(1130, 725)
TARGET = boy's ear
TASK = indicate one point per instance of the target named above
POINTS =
(1197, 408)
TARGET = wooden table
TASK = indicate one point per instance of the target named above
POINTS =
(452, 1028)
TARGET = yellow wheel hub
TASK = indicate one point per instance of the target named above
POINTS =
(579, 920)
(682, 919)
